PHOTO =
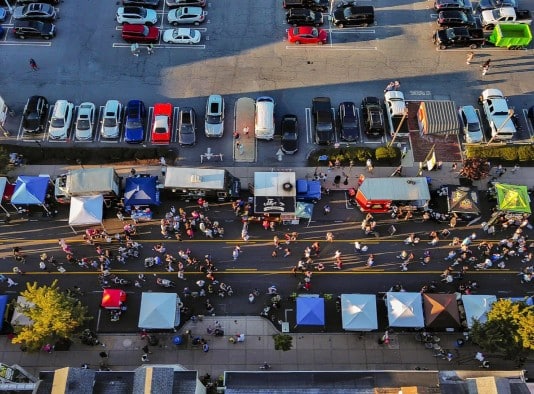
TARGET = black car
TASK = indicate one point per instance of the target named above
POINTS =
(349, 122)
(290, 134)
(304, 17)
(34, 115)
(530, 115)
(444, 5)
(492, 4)
(459, 37)
(185, 3)
(373, 117)
(315, 5)
(141, 3)
(455, 19)
(53, 2)
(23, 29)
(35, 11)
(186, 126)
(323, 120)
(354, 16)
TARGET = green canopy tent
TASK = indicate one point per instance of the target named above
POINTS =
(512, 198)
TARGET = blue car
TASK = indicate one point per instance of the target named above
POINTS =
(134, 127)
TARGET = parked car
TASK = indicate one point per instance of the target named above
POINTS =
(186, 16)
(459, 37)
(140, 33)
(373, 117)
(470, 124)
(161, 123)
(31, 29)
(530, 115)
(323, 120)
(134, 125)
(184, 3)
(455, 18)
(349, 121)
(136, 16)
(35, 11)
(484, 5)
(111, 120)
(3, 14)
(354, 16)
(443, 5)
(214, 119)
(141, 3)
(181, 35)
(304, 17)
(61, 120)
(35, 114)
(307, 35)
(290, 134)
(187, 126)
(85, 121)
(314, 5)
(53, 2)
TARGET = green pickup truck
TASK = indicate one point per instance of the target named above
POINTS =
(511, 36)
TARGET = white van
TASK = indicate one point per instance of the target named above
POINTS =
(61, 120)
(264, 124)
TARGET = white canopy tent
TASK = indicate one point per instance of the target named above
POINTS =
(358, 312)
(405, 309)
(476, 307)
(86, 211)
(19, 318)
(159, 311)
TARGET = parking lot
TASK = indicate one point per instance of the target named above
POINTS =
(244, 52)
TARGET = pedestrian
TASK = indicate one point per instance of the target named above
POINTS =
(246, 131)
(163, 164)
(454, 166)
(11, 282)
(104, 355)
(390, 86)
(486, 63)
(470, 57)
(236, 134)
(134, 48)
(150, 49)
(513, 170)
(396, 85)
(329, 236)
(33, 65)
(205, 348)
(144, 358)
(369, 165)
(146, 350)
(486, 66)
(235, 253)
(326, 209)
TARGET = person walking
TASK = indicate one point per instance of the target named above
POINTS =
(326, 209)
(470, 57)
(11, 282)
(144, 358)
(486, 66)
(33, 65)
(369, 165)
(150, 49)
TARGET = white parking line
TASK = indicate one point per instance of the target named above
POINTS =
(174, 124)
(330, 47)
(352, 31)
(309, 137)
(27, 43)
(162, 46)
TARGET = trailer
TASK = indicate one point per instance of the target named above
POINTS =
(87, 182)
(208, 183)
(274, 193)
(438, 117)
(378, 195)
(511, 36)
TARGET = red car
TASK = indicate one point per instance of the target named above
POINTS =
(140, 33)
(161, 124)
(307, 35)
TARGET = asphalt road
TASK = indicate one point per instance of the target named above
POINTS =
(255, 267)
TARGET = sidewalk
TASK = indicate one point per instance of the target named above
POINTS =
(310, 352)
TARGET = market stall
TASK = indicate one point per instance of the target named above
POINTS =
(476, 307)
(441, 311)
(114, 300)
(358, 312)
(6, 191)
(86, 211)
(310, 311)
(159, 311)
(512, 198)
(30, 190)
(140, 193)
(405, 309)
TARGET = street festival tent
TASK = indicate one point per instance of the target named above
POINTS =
(310, 311)
(512, 198)
(358, 312)
(476, 306)
(5, 192)
(405, 309)
(441, 311)
(30, 190)
(19, 318)
(304, 210)
(462, 199)
(159, 311)
(141, 191)
(113, 298)
(86, 211)
(3, 305)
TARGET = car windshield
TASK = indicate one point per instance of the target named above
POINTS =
(57, 122)
(160, 130)
(473, 127)
(83, 124)
(213, 119)
(110, 122)
(290, 136)
(450, 34)
(133, 124)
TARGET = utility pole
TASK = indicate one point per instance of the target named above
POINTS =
(404, 116)
(510, 114)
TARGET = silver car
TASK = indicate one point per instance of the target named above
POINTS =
(85, 121)
(111, 120)
(470, 124)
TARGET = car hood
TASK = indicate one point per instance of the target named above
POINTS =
(187, 139)
(57, 132)
(214, 129)
(30, 124)
(474, 136)
(110, 132)
(83, 134)
(289, 146)
(134, 134)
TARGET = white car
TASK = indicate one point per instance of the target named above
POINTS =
(186, 16)
(111, 120)
(85, 121)
(470, 124)
(181, 36)
(61, 120)
(136, 16)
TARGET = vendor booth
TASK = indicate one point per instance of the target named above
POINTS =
(512, 198)
(310, 311)
(86, 211)
(159, 311)
(476, 307)
(377, 195)
(141, 191)
(304, 211)
(3, 306)
(6, 191)
(462, 200)
(358, 312)
(274, 193)
(30, 190)
(114, 300)
(405, 309)
(441, 311)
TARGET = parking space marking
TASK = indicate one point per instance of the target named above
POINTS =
(174, 124)
(309, 135)
(163, 46)
(149, 121)
(330, 47)
(351, 31)
(26, 43)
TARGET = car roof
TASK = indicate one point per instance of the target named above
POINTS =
(184, 31)
(128, 28)
(470, 113)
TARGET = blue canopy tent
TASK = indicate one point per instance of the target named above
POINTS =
(159, 311)
(3, 305)
(30, 190)
(310, 311)
(141, 191)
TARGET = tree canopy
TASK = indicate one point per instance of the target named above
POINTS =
(54, 315)
(509, 329)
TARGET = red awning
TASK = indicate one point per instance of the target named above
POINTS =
(113, 298)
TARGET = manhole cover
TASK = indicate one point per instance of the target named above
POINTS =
(127, 343)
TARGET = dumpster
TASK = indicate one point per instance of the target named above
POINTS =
(511, 36)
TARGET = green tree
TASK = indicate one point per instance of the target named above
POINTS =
(283, 342)
(509, 329)
(53, 314)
